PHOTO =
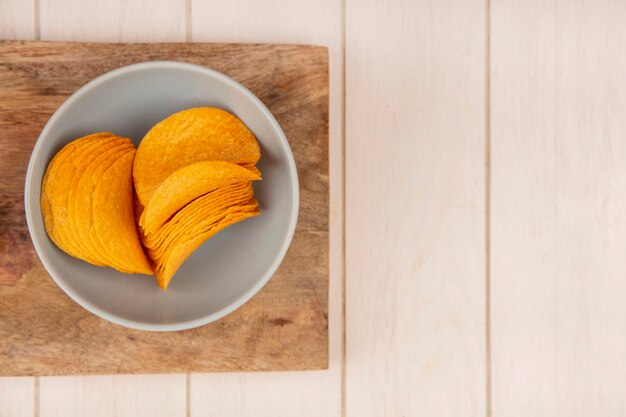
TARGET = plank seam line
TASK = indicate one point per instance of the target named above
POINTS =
(188, 21)
(342, 41)
(188, 394)
(37, 19)
(488, 352)
(36, 398)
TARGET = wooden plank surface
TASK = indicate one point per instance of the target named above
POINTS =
(415, 289)
(113, 20)
(274, 394)
(17, 397)
(283, 328)
(105, 396)
(305, 394)
(17, 21)
(415, 201)
(558, 208)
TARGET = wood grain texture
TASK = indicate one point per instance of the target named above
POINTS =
(17, 397)
(113, 20)
(415, 201)
(105, 396)
(558, 208)
(292, 393)
(284, 327)
(17, 20)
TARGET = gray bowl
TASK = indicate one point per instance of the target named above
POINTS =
(227, 270)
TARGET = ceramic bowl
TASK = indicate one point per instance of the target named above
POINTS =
(228, 269)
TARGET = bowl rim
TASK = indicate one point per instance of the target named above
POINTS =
(190, 324)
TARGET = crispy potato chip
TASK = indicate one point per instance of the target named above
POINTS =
(114, 224)
(49, 197)
(184, 231)
(55, 193)
(167, 265)
(207, 205)
(80, 211)
(193, 135)
(211, 205)
(254, 170)
(72, 204)
(179, 253)
(79, 159)
(54, 189)
(160, 253)
(187, 184)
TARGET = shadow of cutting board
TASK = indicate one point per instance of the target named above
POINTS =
(285, 327)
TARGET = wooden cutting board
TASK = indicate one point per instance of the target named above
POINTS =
(285, 327)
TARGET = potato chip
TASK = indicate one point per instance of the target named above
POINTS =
(179, 253)
(254, 170)
(194, 135)
(79, 160)
(114, 224)
(72, 207)
(175, 256)
(159, 253)
(211, 205)
(187, 184)
(50, 199)
(80, 211)
(55, 193)
(52, 187)
(185, 230)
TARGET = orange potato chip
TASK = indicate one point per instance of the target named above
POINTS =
(160, 253)
(50, 198)
(55, 194)
(80, 211)
(184, 231)
(72, 204)
(114, 224)
(50, 182)
(252, 169)
(207, 205)
(186, 137)
(187, 184)
(211, 205)
(168, 264)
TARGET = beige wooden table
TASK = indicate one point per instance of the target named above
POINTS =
(478, 197)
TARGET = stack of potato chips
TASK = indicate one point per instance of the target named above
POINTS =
(192, 175)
